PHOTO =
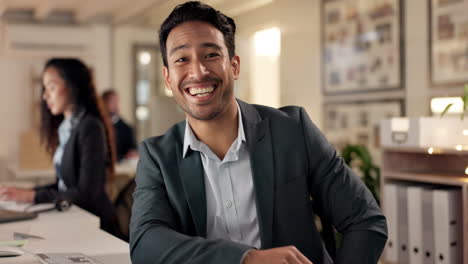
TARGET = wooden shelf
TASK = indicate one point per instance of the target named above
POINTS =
(437, 151)
(432, 178)
(443, 167)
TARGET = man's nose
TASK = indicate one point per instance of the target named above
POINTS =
(198, 70)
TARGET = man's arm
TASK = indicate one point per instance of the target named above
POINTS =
(345, 200)
(154, 237)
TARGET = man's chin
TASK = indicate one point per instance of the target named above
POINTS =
(205, 115)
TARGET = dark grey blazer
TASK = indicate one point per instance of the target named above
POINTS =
(291, 162)
(83, 170)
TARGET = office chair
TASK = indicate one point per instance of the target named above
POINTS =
(123, 209)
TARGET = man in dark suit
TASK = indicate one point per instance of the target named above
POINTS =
(124, 137)
(234, 183)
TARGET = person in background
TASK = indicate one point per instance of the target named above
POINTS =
(77, 133)
(235, 182)
(124, 136)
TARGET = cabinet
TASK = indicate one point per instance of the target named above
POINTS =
(444, 167)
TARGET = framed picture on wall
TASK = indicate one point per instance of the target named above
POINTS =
(358, 123)
(448, 22)
(361, 45)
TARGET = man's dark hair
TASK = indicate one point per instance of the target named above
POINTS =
(197, 11)
(106, 95)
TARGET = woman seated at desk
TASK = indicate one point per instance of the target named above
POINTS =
(76, 131)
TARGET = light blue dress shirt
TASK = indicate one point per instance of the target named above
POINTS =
(230, 194)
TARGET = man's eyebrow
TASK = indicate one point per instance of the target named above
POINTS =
(178, 48)
(204, 45)
(211, 45)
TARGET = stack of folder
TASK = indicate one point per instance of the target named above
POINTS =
(424, 224)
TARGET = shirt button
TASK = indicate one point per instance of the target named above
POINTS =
(229, 204)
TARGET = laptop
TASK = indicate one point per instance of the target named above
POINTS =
(12, 216)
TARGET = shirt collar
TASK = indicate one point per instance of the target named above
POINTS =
(71, 122)
(76, 117)
(190, 140)
(115, 118)
(65, 125)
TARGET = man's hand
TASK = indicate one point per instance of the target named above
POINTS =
(281, 255)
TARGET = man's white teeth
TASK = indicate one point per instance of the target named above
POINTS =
(200, 91)
(201, 95)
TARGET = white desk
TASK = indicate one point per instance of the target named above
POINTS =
(124, 171)
(75, 216)
(125, 168)
(72, 231)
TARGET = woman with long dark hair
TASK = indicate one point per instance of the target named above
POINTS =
(77, 133)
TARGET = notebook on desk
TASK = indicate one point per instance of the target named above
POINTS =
(66, 258)
(11, 216)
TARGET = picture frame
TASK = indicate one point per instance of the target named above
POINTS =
(358, 123)
(448, 43)
(362, 46)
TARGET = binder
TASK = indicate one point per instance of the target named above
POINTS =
(390, 206)
(448, 229)
(415, 224)
(427, 227)
(402, 205)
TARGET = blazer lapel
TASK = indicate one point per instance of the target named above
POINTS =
(191, 174)
(67, 170)
(261, 161)
(67, 166)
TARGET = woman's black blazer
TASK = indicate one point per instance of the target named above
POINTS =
(83, 170)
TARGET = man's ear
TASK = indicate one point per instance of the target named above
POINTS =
(167, 82)
(235, 65)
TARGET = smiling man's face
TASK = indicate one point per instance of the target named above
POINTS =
(200, 73)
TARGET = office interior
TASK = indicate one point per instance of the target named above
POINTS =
(290, 54)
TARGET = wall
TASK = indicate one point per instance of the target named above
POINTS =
(15, 93)
(417, 51)
(300, 51)
(165, 114)
(102, 55)
(91, 43)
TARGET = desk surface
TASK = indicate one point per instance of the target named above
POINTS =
(124, 168)
(72, 231)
